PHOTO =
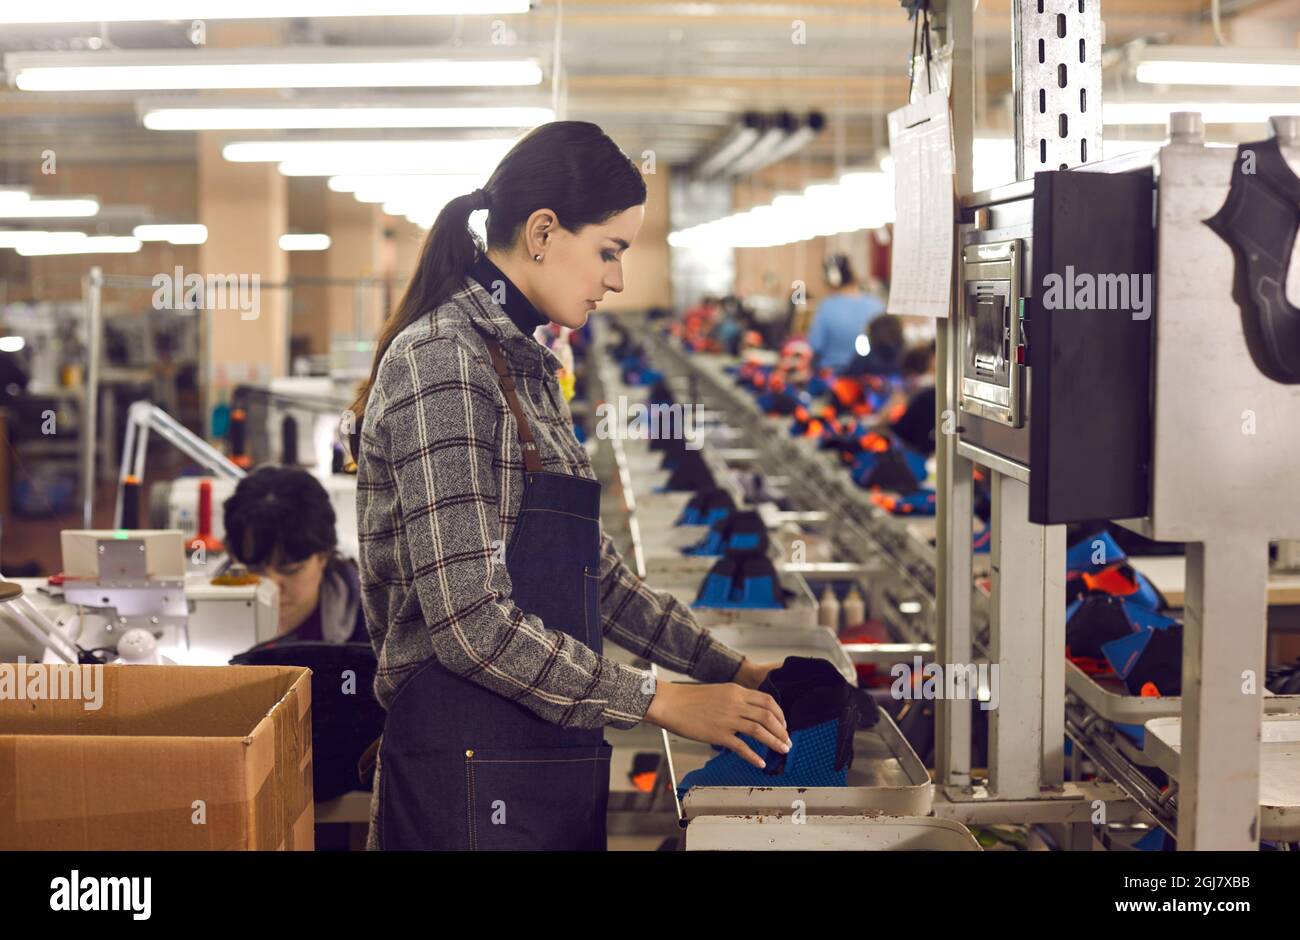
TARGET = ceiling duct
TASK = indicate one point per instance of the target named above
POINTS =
(799, 137)
(760, 140)
(739, 140)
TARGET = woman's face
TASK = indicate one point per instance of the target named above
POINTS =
(579, 268)
(299, 583)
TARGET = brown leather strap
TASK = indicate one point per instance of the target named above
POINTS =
(532, 461)
(366, 763)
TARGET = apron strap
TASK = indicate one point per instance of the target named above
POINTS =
(366, 763)
(532, 461)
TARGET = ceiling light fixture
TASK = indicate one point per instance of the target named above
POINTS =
(281, 67)
(126, 11)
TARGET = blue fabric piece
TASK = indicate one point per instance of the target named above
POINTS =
(1147, 595)
(810, 763)
(915, 461)
(1136, 733)
(1078, 557)
(1157, 840)
(1123, 653)
(754, 593)
(711, 544)
(692, 516)
(1142, 616)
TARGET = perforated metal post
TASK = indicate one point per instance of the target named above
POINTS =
(1056, 46)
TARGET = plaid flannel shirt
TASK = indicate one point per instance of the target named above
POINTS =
(439, 485)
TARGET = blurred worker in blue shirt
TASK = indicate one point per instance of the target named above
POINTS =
(841, 316)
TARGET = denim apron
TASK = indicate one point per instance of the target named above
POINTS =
(466, 768)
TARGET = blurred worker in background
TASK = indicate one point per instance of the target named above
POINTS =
(841, 316)
(280, 525)
(880, 351)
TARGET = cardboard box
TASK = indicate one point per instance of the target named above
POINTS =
(155, 757)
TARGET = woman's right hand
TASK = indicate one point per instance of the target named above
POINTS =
(715, 714)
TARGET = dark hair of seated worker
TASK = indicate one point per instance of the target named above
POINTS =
(885, 334)
(280, 524)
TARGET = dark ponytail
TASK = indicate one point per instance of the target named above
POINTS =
(570, 167)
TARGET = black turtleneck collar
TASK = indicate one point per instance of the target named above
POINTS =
(518, 307)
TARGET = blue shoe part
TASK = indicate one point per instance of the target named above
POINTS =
(692, 516)
(715, 592)
(810, 763)
(1146, 595)
(1135, 733)
(759, 592)
(754, 593)
(915, 461)
(1154, 841)
(1078, 557)
(1123, 654)
(863, 464)
(1142, 616)
(711, 544)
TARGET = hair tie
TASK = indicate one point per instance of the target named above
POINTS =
(480, 197)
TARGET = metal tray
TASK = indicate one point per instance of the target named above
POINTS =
(1279, 768)
(887, 777)
(800, 611)
(1111, 701)
(829, 833)
(657, 511)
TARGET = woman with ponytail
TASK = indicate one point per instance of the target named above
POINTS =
(487, 582)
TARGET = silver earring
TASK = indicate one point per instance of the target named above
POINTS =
(537, 257)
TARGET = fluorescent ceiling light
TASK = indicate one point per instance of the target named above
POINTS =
(1118, 113)
(12, 207)
(1217, 65)
(77, 243)
(398, 182)
(308, 67)
(304, 242)
(11, 344)
(176, 234)
(291, 118)
(124, 11)
(434, 152)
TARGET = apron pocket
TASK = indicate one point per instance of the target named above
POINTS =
(543, 799)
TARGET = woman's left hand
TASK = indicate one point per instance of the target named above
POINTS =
(751, 674)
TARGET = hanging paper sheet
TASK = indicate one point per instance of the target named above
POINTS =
(920, 141)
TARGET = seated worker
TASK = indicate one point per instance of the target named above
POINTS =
(280, 525)
(915, 426)
(884, 352)
(841, 316)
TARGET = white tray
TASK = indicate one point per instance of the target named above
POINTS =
(763, 644)
(1279, 768)
(886, 777)
(829, 833)
(800, 611)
